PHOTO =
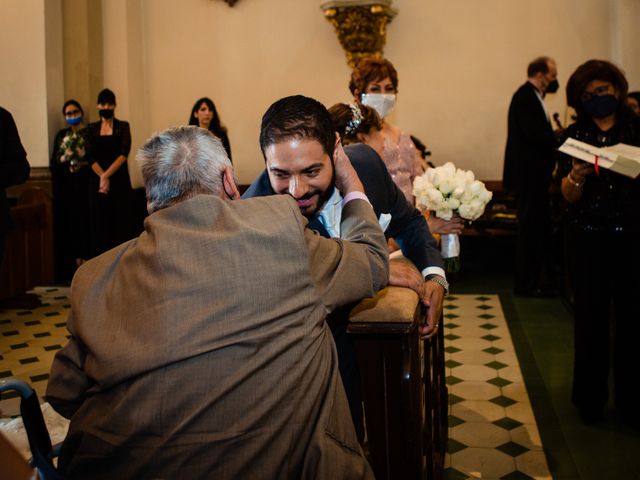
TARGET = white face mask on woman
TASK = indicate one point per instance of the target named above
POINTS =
(382, 103)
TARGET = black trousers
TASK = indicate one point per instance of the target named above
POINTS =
(533, 236)
(605, 274)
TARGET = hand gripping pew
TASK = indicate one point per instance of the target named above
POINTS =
(403, 385)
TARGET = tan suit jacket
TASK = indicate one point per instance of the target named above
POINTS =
(200, 349)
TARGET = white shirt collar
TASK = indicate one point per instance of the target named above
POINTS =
(331, 214)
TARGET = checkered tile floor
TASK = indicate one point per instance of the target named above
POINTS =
(29, 340)
(492, 429)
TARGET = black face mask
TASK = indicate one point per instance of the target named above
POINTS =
(106, 113)
(553, 86)
(600, 106)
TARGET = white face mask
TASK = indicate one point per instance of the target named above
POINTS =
(382, 103)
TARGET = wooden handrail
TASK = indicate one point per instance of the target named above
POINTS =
(403, 384)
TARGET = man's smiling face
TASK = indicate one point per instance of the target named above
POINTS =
(302, 169)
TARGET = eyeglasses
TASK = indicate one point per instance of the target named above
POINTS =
(596, 92)
(71, 113)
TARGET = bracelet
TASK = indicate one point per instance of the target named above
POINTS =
(440, 281)
(574, 182)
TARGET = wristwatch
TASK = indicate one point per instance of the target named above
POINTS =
(440, 281)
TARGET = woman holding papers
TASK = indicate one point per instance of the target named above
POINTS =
(603, 245)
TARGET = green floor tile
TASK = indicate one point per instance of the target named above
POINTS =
(453, 474)
(454, 446)
(493, 350)
(507, 423)
(512, 448)
(495, 364)
(454, 421)
(503, 401)
(499, 382)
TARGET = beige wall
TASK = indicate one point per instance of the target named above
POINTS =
(459, 63)
(31, 85)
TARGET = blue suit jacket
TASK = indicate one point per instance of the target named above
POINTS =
(408, 227)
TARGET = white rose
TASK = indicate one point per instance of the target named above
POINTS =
(476, 187)
(453, 203)
(458, 192)
(465, 211)
(469, 176)
(430, 175)
(446, 186)
(485, 196)
(444, 213)
(466, 196)
(434, 196)
(449, 169)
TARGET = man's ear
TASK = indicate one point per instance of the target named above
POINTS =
(336, 145)
(229, 184)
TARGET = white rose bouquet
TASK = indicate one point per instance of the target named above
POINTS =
(72, 149)
(449, 191)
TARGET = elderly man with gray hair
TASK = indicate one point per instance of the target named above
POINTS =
(200, 348)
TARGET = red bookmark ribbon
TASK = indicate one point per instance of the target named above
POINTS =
(596, 166)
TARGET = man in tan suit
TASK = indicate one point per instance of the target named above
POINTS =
(200, 349)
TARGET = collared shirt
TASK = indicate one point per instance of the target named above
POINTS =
(331, 214)
(544, 107)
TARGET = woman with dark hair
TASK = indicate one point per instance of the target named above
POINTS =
(70, 182)
(603, 237)
(205, 115)
(358, 123)
(114, 216)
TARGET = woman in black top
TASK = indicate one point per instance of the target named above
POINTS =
(604, 235)
(70, 175)
(114, 219)
(205, 115)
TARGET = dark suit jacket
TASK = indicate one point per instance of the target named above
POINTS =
(14, 168)
(408, 227)
(531, 144)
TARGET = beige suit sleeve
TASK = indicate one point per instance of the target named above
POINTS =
(68, 384)
(355, 266)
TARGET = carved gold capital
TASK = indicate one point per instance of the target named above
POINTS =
(361, 25)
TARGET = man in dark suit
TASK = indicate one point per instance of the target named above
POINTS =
(14, 169)
(529, 163)
(299, 144)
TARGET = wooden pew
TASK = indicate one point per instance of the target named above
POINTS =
(404, 389)
(28, 256)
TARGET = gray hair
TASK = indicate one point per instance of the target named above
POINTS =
(180, 163)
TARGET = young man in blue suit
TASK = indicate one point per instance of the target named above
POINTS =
(299, 145)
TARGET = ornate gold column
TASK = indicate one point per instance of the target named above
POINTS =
(361, 25)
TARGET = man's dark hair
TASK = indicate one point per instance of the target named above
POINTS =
(297, 117)
(539, 65)
(107, 96)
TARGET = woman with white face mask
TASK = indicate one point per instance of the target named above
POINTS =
(374, 83)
